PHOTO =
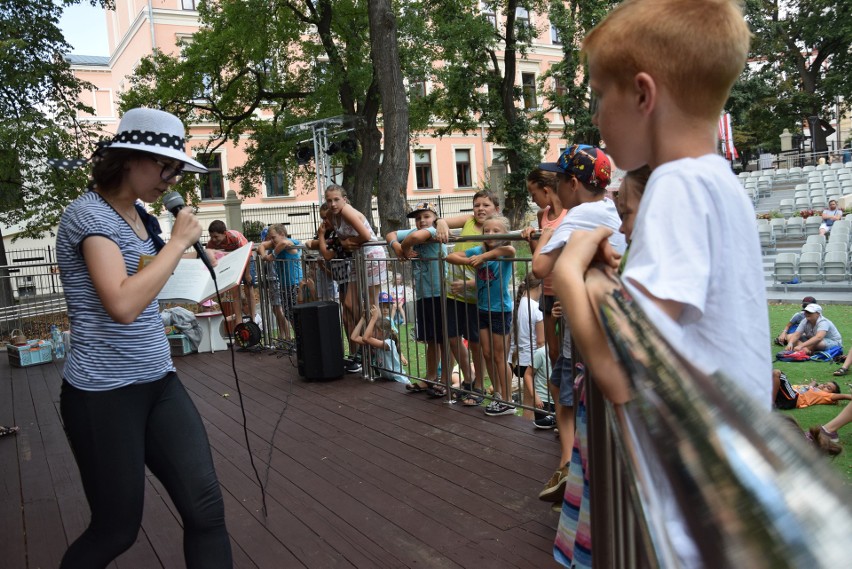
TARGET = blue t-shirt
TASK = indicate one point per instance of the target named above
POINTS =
(492, 283)
(427, 270)
(389, 362)
(105, 354)
(289, 265)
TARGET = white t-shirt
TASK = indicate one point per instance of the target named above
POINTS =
(588, 216)
(528, 316)
(695, 242)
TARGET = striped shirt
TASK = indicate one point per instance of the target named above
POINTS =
(105, 354)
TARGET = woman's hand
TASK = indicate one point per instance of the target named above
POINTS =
(186, 229)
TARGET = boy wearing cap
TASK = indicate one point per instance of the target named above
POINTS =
(418, 244)
(815, 333)
(695, 265)
(794, 322)
(583, 173)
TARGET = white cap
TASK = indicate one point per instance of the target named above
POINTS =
(813, 308)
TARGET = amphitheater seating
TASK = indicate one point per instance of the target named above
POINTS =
(810, 267)
(786, 267)
(812, 225)
(836, 266)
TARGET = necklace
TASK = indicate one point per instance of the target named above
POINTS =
(135, 219)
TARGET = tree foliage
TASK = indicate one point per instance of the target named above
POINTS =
(39, 103)
(801, 51)
(573, 20)
(257, 69)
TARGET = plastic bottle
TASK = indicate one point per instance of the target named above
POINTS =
(58, 344)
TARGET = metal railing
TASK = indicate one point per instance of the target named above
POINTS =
(692, 473)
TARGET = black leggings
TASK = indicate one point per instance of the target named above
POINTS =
(114, 434)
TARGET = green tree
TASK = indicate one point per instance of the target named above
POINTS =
(475, 85)
(257, 69)
(804, 46)
(573, 20)
(38, 117)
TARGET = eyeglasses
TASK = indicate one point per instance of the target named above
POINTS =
(170, 172)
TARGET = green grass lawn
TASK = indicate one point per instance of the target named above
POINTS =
(804, 372)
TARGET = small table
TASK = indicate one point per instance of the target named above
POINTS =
(211, 340)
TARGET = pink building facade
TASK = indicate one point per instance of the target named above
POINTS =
(451, 165)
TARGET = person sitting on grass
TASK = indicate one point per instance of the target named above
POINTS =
(816, 333)
(794, 322)
(380, 335)
(789, 396)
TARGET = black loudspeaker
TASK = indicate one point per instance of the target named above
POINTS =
(319, 347)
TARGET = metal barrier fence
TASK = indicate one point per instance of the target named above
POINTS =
(473, 365)
(31, 299)
(691, 474)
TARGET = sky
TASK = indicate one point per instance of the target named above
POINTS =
(84, 27)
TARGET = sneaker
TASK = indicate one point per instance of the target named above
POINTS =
(548, 422)
(352, 367)
(555, 487)
(498, 408)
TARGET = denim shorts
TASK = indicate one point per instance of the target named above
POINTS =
(497, 322)
(562, 378)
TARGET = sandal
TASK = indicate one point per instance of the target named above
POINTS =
(5, 431)
(436, 391)
(416, 387)
(842, 371)
(473, 399)
(458, 392)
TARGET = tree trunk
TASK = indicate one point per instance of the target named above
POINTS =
(393, 172)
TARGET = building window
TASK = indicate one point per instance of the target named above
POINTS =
(212, 184)
(463, 170)
(189, 4)
(423, 169)
(416, 89)
(554, 36)
(276, 184)
(559, 87)
(528, 89)
(488, 13)
(522, 18)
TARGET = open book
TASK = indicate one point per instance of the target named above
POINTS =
(192, 281)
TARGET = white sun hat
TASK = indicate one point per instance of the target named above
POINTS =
(155, 132)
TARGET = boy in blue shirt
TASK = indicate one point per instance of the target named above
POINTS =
(417, 244)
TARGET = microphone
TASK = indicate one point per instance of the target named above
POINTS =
(174, 203)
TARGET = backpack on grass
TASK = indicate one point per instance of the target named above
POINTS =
(791, 356)
(828, 355)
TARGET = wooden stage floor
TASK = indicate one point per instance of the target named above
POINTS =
(361, 475)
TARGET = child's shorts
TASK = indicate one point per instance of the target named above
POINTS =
(497, 322)
(462, 320)
(786, 397)
(546, 304)
(429, 317)
(562, 378)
